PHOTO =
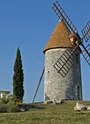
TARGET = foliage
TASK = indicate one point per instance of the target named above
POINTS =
(18, 77)
(24, 107)
(4, 100)
(13, 99)
(13, 108)
(3, 108)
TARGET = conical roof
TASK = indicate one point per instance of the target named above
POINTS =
(59, 38)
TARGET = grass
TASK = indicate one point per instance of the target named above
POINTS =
(48, 114)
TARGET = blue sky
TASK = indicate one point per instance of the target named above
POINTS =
(28, 24)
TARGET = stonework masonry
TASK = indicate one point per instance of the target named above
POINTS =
(55, 86)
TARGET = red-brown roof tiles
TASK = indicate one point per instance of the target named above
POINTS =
(59, 38)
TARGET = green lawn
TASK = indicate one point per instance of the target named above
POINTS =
(48, 114)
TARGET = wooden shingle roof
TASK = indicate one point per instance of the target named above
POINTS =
(59, 38)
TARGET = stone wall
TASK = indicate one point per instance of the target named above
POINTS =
(55, 86)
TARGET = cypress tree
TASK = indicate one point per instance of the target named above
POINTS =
(18, 77)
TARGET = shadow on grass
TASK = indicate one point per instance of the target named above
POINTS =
(37, 106)
(27, 107)
(82, 112)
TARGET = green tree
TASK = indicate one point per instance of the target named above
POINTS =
(18, 77)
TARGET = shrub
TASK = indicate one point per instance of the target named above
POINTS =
(13, 108)
(24, 107)
(5, 100)
(3, 108)
(12, 98)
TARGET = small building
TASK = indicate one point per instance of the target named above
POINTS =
(4, 93)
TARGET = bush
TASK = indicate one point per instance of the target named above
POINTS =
(13, 108)
(12, 98)
(5, 100)
(24, 107)
(3, 108)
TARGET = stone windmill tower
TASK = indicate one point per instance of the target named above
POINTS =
(62, 59)
(55, 86)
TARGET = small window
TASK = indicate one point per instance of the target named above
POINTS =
(48, 71)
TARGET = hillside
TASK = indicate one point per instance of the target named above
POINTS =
(48, 114)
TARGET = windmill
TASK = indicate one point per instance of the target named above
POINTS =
(62, 59)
